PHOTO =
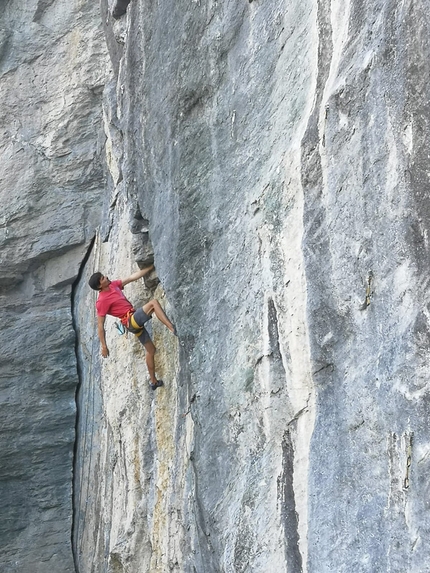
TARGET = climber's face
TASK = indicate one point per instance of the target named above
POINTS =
(104, 282)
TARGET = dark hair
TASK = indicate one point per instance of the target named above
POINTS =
(94, 281)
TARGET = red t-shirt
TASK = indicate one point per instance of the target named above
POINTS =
(113, 301)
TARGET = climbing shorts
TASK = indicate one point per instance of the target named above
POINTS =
(140, 318)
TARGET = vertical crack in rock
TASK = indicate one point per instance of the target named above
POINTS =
(76, 492)
(286, 495)
(398, 506)
(316, 259)
(289, 516)
(311, 159)
(408, 441)
(141, 247)
(206, 550)
(415, 43)
(316, 249)
(278, 371)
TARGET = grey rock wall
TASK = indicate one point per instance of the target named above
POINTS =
(166, 495)
(278, 151)
(271, 157)
(53, 61)
(366, 262)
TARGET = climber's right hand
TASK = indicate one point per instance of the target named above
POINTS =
(105, 351)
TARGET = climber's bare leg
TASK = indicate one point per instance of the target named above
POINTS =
(153, 306)
(150, 361)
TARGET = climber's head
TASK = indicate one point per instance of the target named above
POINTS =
(95, 280)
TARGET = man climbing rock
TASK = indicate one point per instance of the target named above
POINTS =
(112, 301)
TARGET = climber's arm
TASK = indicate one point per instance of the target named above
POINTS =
(101, 333)
(137, 275)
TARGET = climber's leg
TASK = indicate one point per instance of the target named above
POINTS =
(150, 360)
(153, 306)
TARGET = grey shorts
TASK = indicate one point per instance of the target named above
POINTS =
(141, 318)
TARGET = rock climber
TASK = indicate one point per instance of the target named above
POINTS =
(111, 300)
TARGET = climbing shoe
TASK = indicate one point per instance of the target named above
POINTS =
(157, 385)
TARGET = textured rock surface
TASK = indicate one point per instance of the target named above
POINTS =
(272, 155)
(53, 62)
(278, 151)
(205, 477)
(366, 227)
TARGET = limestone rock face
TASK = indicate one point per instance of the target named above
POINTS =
(53, 64)
(278, 151)
(271, 158)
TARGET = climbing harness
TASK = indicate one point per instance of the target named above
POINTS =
(130, 324)
(126, 317)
